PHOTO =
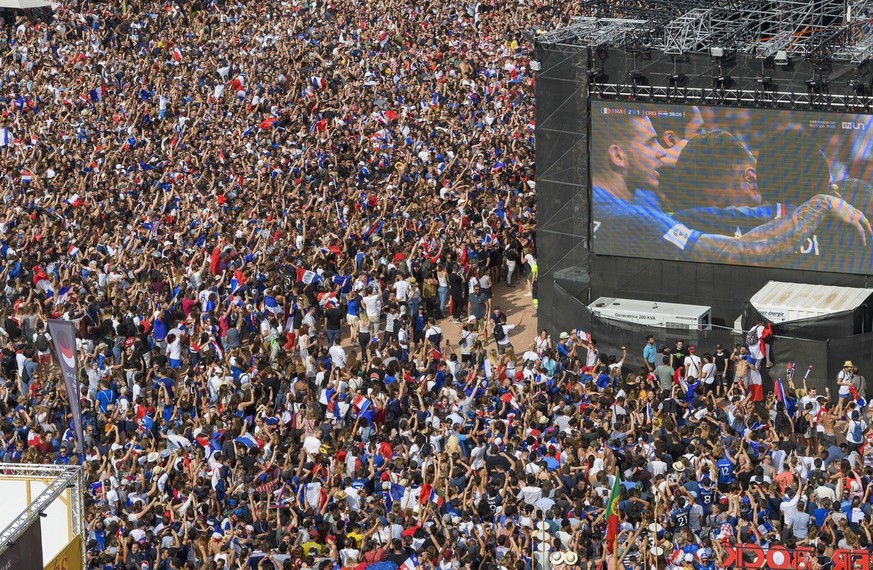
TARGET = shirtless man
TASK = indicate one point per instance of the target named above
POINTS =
(741, 365)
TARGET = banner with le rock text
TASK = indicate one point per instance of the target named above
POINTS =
(63, 335)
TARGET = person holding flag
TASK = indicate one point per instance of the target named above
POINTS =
(611, 515)
(758, 341)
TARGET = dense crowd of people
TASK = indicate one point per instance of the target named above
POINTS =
(260, 216)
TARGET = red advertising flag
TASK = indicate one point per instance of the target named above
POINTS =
(63, 334)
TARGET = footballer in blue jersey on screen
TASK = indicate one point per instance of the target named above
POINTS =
(723, 185)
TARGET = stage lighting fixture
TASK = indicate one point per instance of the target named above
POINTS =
(535, 65)
(716, 51)
(781, 58)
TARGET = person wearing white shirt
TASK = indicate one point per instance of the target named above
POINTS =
(504, 346)
(338, 354)
(530, 493)
(844, 381)
(855, 431)
(811, 398)
(693, 365)
(789, 503)
(402, 289)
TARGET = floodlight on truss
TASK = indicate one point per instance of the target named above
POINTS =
(780, 42)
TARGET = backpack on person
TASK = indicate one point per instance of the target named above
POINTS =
(499, 333)
(801, 425)
(436, 336)
(857, 432)
(752, 337)
(465, 339)
(783, 424)
(42, 343)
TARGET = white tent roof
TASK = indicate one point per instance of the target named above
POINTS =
(780, 302)
(21, 4)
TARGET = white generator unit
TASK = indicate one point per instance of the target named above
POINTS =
(782, 302)
(653, 314)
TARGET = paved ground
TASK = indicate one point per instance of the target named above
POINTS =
(513, 301)
(517, 305)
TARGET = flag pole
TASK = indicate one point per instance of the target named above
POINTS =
(533, 544)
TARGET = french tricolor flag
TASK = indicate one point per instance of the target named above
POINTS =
(319, 82)
(779, 390)
(26, 176)
(583, 335)
(177, 55)
(63, 295)
(362, 403)
(383, 38)
(237, 281)
(308, 277)
(248, 440)
(364, 407)
(72, 251)
(213, 344)
(272, 305)
(435, 498)
(411, 563)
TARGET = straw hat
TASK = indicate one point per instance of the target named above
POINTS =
(540, 535)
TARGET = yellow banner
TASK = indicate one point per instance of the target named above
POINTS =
(70, 558)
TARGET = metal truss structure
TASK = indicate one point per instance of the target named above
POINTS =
(761, 97)
(62, 477)
(814, 29)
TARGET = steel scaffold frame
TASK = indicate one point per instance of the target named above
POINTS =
(63, 477)
(815, 29)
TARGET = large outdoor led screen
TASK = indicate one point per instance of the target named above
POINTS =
(770, 188)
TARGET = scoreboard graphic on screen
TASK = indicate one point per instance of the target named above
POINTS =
(762, 187)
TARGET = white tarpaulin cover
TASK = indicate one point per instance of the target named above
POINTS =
(24, 4)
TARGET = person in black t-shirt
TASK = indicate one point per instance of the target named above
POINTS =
(722, 362)
(678, 354)
(333, 319)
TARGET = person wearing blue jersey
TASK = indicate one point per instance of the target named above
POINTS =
(718, 184)
(726, 467)
(626, 157)
(706, 494)
(353, 312)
